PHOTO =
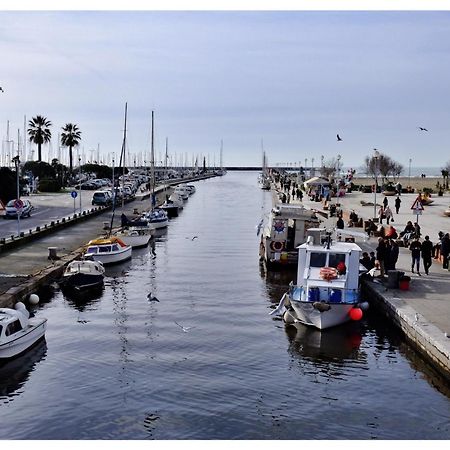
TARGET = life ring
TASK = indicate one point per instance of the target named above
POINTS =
(277, 246)
(328, 273)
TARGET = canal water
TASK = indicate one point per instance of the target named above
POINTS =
(204, 360)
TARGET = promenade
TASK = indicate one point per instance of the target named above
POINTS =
(423, 311)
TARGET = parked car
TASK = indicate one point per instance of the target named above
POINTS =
(101, 198)
(11, 211)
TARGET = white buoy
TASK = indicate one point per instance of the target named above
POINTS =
(34, 299)
(19, 305)
(288, 318)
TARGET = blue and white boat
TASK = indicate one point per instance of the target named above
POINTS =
(156, 218)
(328, 276)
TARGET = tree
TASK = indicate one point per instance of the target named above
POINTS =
(70, 137)
(39, 132)
(40, 169)
(7, 185)
(328, 168)
(383, 165)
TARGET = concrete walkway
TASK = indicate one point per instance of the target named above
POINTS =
(423, 311)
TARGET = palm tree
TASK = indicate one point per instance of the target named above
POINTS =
(39, 132)
(70, 137)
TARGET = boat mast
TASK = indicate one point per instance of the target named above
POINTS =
(165, 164)
(120, 164)
(152, 159)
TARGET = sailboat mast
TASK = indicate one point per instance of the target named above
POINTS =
(165, 163)
(152, 158)
(120, 164)
(123, 152)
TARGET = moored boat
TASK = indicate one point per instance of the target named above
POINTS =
(182, 191)
(327, 291)
(108, 250)
(18, 331)
(170, 207)
(286, 230)
(156, 218)
(135, 232)
(83, 275)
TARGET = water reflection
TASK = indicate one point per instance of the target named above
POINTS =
(15, 372)
(82, 301)
(334, 344)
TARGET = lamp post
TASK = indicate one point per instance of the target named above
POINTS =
(312, 167)
(79, 162)
(16, 161)
(409, 172)
(376, 155)
(338, 164)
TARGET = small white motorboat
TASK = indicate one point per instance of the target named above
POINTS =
(17, 331)
(177, 200)
(109, 250)
(156, 218)
(83, 275)
(135, 232)
(182, 191)
(190, 188)
(327, 293)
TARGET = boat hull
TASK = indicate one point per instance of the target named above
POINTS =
(113, 258)
(26, 338)
(136, 241)
(320, 315)
(82, 282)
(172, 211)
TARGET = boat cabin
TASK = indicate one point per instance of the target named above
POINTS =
(12, 321)
(328, 270)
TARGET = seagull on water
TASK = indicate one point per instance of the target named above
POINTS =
(1, 89)
(195, 237)
(416, 316)
(422, 129)
(338, 138)
(152, 298)
(185, 329)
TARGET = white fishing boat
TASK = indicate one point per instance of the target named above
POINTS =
(286, 230)
(190, 188)
(83, 275)
(108, 250)
(176, 200)
(17, 331)
(327, 292)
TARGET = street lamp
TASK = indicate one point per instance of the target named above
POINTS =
(376, 155)
(409, 172)
(79, 162)
(338, 164)
(16, 161)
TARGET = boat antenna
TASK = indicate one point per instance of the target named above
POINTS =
(120, 164)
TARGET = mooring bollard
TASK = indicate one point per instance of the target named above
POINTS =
(52, 253)
(52, 223)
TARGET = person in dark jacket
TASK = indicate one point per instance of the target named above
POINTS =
(427, 253)
(394, 251)
(415, 247)
(366, 261)
(340, 223)
(381, 255)
(397, 204)
(445, 250)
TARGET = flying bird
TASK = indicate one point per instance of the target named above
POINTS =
(1, 89)
(185, 329)
(195, 237)
(422, 129)
(338, 138)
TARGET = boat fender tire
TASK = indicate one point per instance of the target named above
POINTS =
(276, 246)
(321, 306)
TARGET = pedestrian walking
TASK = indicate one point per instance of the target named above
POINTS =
(415, 247)
(385, 202)
(388, 214)
(398, 202)
(427, 253)
(394, 250)
(380, 215)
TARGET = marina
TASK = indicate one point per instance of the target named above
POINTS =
(146, 377)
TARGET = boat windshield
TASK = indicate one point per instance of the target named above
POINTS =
(104, 249)
(92, 250)
(318, 259)
(115, 248)
(335, 259)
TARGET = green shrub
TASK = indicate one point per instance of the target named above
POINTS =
(49, 185)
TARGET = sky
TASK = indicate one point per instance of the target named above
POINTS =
(284, 81)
